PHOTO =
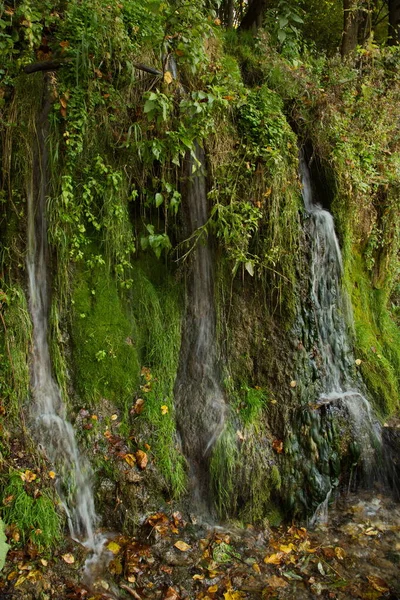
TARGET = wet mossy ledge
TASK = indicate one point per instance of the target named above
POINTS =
(119, 258)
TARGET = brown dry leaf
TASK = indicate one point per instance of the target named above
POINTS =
(182, 546)
(12, 575)
(113, 547)
(171, 594)
(212, 589)
(64, 44)
(378, 584)
(98, 73)
(139, 406)
(274, 559)
(276, 582)
(130, 459)
(141, 459)
(63, 102)
(277, 445)
(68, 558)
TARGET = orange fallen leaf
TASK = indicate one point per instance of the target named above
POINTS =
(277, 445)
(138, 407)
(141, 459)
(171, 594)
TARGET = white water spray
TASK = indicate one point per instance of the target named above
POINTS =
(51, 426)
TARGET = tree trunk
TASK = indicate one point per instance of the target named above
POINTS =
(394, 22)
(229, 14)
(350, 27)
(254, 15)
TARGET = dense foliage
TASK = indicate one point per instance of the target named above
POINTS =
(134, 87)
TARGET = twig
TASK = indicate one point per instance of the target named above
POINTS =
(130, 591)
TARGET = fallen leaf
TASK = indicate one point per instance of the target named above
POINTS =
(44, 562)
(378, 584)
(212, 589)
(52, 475)
(276, 582)
(64, 44)
(256, 568)
(114, 417)
(28, 476)
(274, 559)
(141, 459)
(164, 409)
(277, 445)
(340, 553)
(287, 549)
(113, 547)
(198, 577)
(182, 546)
(230, 595)
(293, 383)
(168, 77)
(130, 459)
(171, 594)
(358, 362)
(139, 406)
(68, 558)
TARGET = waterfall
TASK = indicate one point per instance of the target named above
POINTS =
(332, 319)
(200, 404)
(54, 432)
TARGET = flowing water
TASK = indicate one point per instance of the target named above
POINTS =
(52, 429)
(333, 321)
(201, 409)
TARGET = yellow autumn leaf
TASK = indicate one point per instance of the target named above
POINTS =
(229, 595)
(378, 584)
(68, 558)
(182, 546)
(168, 77)
(20, 581)
(164, 409)
(52, 475)
(256, 568)
(198, 577)
(274, 559)
(114, 417)
(287, 549)
(28, 476)
(212, 589)
(113, 547)
(130, 459)
(340, 553)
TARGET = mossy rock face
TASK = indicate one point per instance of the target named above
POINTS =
(105, 355)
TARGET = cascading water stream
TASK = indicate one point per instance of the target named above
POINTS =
(50, 423)
(332, 318)
(201, 409)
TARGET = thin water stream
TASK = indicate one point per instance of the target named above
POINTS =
(51, 426)
(201, 409)
(333, 321)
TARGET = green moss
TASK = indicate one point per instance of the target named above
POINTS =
(14, 348)
(36, 518)
(158, 313)
(105, 351)
(377, 339)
